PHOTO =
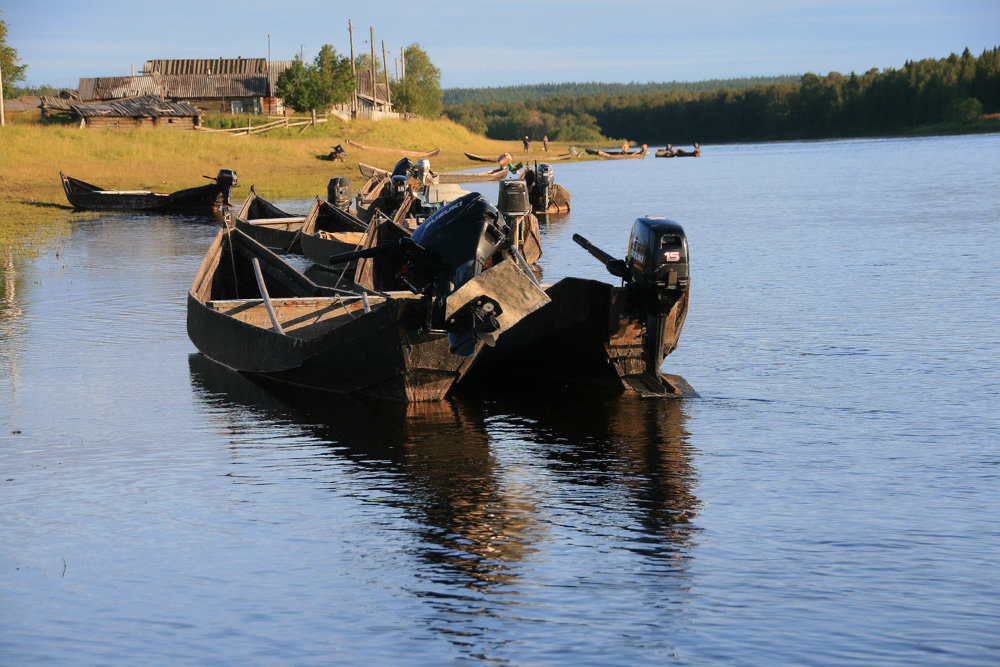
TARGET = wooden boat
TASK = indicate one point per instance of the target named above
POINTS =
(680, 152)
(202, 200)
(397, 151)
(329, 231)
(269, 225)
(637, 154)
(545, 195)
(447, 177)
(251, 311)
(483, 158)
(610, 337)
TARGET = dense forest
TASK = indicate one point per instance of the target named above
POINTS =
(956, 90)
(540, 91)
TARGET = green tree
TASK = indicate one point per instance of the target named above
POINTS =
(11, 71)
(420, 90)
(327, 81)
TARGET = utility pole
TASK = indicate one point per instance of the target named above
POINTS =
(3, 120)
(402, 63)
(350, 32)
(354, 70)
(385, 67)
(371, 39)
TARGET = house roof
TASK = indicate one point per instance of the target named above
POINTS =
(185, 86)
(144, 106)
(204, 66)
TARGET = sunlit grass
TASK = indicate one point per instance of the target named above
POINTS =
(281, 163)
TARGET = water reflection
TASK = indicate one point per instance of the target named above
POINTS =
(488, 481)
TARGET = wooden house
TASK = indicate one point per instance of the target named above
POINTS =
(226, 85)
(145, 111)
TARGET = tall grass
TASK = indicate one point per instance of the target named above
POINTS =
(280, 163)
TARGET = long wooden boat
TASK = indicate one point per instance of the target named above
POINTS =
(397, 151)
(201, 200)
(446, 177)
(250, 310)
(596, 334)
(269, 225)
(638, 154)
(670, 151)
(329, 231)
(483, 158)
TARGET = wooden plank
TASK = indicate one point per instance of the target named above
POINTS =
(267, 299)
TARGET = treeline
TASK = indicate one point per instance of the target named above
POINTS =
(958, 89)
(540, 91)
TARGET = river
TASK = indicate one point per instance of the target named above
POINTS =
(832, 498)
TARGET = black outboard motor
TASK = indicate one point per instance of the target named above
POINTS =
(656, 270)
(448, 249)
(540, 181)
(338, 192)
(227, 180)
(400, 176)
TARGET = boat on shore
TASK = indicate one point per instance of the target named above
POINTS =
(251, 311)
(397, 151)
(637, 154)
(608, 337)
(202, 200)
(445, 177)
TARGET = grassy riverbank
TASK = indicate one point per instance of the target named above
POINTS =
(282, 163)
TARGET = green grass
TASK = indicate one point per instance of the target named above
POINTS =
(281, 163)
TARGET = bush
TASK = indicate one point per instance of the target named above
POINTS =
(964, 110)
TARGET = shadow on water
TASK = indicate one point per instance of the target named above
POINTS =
(466, 470)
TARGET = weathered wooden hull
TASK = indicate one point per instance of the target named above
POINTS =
(636, 155)
(269, 225)
(396, 151)
(483, 158)
(201, 200)
(584, 336)
(446, 177)
(327, 343)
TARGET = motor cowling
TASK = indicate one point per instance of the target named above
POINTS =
(465, 233)
(227, 178)
(658, 263)
(338, 192)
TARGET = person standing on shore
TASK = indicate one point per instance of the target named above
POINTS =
(545, 143)
(525, 140)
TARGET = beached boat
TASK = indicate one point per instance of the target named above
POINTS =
(596, 334)
(201, 200)
(250, 310)
(444, 177)
(397, 151)
(637, 154)
(484, 158)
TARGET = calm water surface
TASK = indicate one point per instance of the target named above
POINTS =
(831, 499)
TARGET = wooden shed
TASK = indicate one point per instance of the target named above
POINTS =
(145, 111)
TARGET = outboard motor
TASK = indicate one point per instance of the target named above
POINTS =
(543, 185)
(338, 192)
(656, 270)
(422, 172)
(227, 180)
(513, 203)
(399, 182)
(448, 249)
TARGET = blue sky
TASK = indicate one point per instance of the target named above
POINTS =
(502, 43)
